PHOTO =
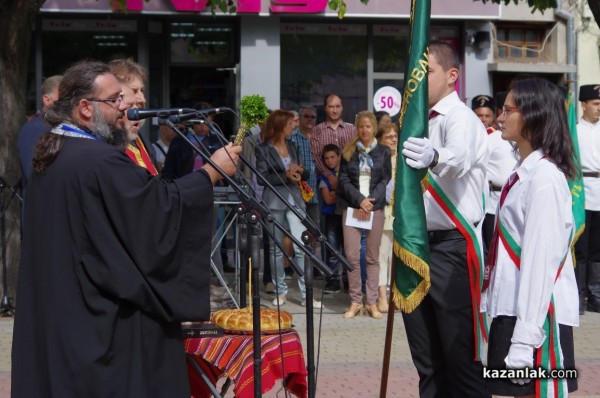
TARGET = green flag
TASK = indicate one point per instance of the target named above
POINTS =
(576, 185)
(411, 244)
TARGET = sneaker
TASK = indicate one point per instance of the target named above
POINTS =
(332, 286)
(279, 299)
(316, 304)
(269, 288)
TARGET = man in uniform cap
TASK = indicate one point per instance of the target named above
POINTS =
(587, 249)
(500, 164)
(484, 107)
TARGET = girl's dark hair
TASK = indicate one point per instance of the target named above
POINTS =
(542, 108)
(330, 148)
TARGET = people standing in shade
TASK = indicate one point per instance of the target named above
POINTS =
(587, 248)
(387, 134)
(332, 131)
(131, 76)
(182, 159)
(502, 160)
(34, 128)
(301, 136)
(365, 171)
(531, 290)
(383, 117)
(161, 146)
(331, 214)
(440, 330)
(277, 159)
(102, 284)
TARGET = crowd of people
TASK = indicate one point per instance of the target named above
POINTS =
(111, 223)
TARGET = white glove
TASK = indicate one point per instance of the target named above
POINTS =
(419, 152)
(519, 356)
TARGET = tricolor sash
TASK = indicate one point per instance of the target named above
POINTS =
(549, 354)
(474, 261)
(140, 156)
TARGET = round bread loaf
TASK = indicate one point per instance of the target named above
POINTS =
(241, 319)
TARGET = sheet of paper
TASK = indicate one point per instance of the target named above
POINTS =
(353, 221)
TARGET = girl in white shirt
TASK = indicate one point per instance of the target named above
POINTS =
(529, 282)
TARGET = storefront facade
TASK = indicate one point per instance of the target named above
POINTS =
(291, 53)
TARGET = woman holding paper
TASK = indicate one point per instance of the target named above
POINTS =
(364, 173)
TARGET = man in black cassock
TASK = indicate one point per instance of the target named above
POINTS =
(113, 259)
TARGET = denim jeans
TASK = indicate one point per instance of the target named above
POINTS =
(333, 232)
(277, 266)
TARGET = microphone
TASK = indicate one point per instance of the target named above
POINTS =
(139, 114)
(177, 119)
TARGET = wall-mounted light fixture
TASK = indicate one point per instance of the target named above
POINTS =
(479, 40)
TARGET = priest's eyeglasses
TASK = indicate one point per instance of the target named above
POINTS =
(114, 102)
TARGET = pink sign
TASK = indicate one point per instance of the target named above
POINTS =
(295, 6)
(388, 8)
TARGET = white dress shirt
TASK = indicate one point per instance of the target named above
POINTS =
(537, 215)
(588, 135)
(160, 156)
(501, 163)
(461, 141)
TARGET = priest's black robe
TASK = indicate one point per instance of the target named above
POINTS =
(112, 261)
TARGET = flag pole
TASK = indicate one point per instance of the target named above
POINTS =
(389, 329)
(410, 270)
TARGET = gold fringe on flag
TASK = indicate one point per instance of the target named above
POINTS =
(408, 304)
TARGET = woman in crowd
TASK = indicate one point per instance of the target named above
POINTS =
(364, 173)
(277, 160)
(531, 292)
(387, 134)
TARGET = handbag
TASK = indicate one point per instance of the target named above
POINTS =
(306, 191)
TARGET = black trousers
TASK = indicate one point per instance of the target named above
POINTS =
(587, 254)
(440, 330)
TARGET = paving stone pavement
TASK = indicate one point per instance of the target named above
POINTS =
(351, 352)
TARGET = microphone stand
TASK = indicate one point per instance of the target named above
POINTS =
(6, 307)
(307, 237)
(260, 213)
(257, 212)
(309, 234)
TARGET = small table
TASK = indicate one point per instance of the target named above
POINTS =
(232, 355)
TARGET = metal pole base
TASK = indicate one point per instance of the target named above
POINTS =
(6, 308)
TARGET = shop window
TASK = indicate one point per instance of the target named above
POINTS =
(318, 59)
(65, 41)
(518, 44)
(199, 43)
(390, 48)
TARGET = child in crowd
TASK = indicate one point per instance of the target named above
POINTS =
(333, 219)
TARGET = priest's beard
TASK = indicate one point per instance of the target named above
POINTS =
(110, 134)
